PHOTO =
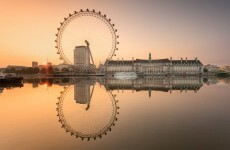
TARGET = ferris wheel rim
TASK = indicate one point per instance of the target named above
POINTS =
(83, 13)
(78, 134)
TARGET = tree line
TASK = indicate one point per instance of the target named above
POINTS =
(30, 70)
(35, 70)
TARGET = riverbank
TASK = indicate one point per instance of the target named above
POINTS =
(34, 76)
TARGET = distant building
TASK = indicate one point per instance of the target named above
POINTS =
(34, 64)
(59, 68)
(212, 68)
(2, 69)
(16, 67)
(49, 64)
(155, 66)
(226, 68)
(41, 67)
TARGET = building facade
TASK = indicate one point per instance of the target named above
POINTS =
(34, 64)
(155, 66)
(81, 56)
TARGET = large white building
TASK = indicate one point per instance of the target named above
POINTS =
(155, 66)
(34, 64)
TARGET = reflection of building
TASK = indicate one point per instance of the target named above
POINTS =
(35, 85)
(1, 90)
(155, 66)
(156, 83)
(34, 64)
(82, 93)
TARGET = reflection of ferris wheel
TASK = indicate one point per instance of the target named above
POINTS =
(86, 16)
(86, 134)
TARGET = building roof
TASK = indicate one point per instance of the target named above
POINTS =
(197, 62)
(128, 62)
(81, 46)
(153, 60)
(115, 62)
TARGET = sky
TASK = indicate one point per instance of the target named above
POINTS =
(165, 28)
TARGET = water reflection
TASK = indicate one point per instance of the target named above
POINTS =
(9, 86)
(88, 108)
(164, 84)
(156, 83)
(82, 92)
(84, 113)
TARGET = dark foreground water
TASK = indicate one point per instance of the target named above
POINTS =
(105, 113)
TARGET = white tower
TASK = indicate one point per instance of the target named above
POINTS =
(82, 56)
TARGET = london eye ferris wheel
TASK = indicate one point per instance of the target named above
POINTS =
(91, 27)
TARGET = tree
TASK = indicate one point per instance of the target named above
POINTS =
(50, 70)
(36, 70)
(29, 70)
(18, 71)
(205, 70)
(7, 70)
(12, 70)
(56, 70)
(23, 70)
(43, 71)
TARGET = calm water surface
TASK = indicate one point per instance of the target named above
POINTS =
(106, 113)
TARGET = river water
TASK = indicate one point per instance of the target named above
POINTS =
(106, 113)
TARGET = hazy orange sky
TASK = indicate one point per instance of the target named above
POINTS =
(165, 28)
